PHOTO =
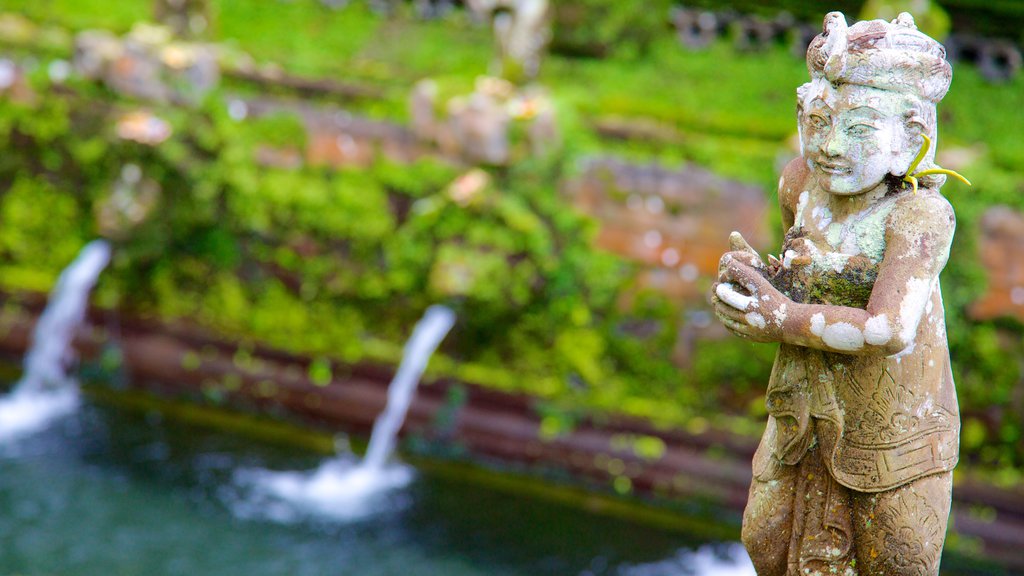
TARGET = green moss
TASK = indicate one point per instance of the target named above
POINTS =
(849, 288)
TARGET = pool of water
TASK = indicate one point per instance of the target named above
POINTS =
(109, 492)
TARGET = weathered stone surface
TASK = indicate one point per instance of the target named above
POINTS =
(1001, 251)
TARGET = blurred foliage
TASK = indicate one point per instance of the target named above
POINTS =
(934, 21)
(340, 263)
(604, 27)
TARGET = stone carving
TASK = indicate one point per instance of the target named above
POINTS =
(854, 471)
(522, 30)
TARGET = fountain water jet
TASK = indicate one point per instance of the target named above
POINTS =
(45, 391)
(343, 487)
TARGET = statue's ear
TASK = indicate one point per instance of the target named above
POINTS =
(916, 124)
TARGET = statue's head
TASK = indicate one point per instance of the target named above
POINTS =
(873, 91)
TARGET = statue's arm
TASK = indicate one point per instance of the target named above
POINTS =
(792, 182)
(918, 235)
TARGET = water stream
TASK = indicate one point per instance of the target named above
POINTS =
(45, 391)
(344, 487)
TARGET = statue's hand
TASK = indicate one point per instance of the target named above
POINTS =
(738, 245)
(741, 251)
(746, 303)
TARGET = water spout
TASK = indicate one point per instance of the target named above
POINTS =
(45, 391)
(426, 337)
(345, 488)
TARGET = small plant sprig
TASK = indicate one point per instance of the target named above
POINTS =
(912, 176)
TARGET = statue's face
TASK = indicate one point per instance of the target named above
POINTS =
(853, 136)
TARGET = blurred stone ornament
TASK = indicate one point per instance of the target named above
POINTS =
(143, 127)
(149, 64)
(469, 186)
(522, 30)
(480, 127)
(129, 204)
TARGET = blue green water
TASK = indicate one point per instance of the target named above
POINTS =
(105, 492)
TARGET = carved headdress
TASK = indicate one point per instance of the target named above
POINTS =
(887, 55)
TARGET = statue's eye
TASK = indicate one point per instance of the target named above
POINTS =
(860, 129)
(819, 121)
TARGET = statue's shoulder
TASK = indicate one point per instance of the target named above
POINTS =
(925, 210)
(793, 183)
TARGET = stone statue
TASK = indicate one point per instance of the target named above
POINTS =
(854, 472)
(522, 30)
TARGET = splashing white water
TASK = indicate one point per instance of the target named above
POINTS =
(715, 560)
(344, 488)
(45, 391)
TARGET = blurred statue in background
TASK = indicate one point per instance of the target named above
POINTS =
(501, 120)
(522, 29)
(854, 471)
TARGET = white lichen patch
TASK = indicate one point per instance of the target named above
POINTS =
(823, 216)
(728, 294)
(834, 234)
(912, 307)
(869, 230)
(801, 205)
(843, 336)
(780, 314)
(817, 324)
(832, 261)
(877, 330)
(755, 320)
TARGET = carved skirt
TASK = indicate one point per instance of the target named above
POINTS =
(804, 522)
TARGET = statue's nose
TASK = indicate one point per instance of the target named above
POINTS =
(833, 144)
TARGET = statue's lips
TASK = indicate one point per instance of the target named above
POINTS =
(833, 169)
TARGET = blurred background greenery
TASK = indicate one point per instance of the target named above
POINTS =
(337, 262)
